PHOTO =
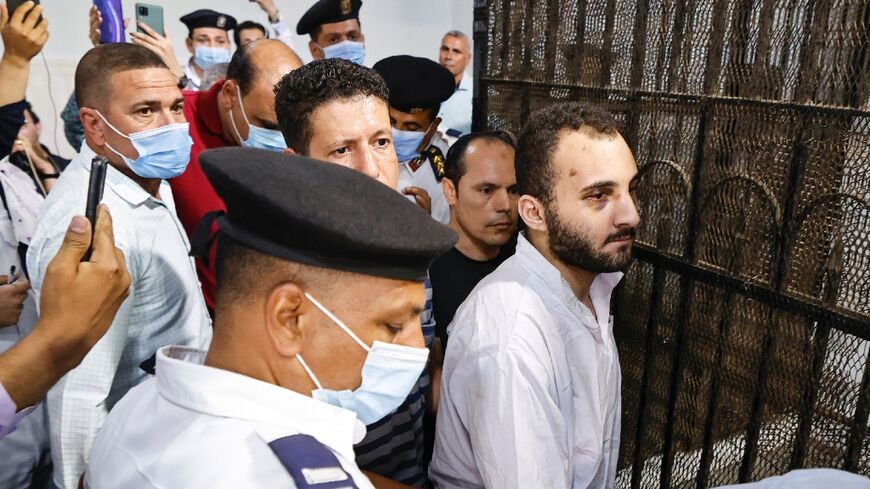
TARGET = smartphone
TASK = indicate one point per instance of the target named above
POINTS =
(95, 194)
(150, 15)
(12, 5)
(112, 27)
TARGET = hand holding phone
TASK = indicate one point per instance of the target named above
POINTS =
(95, 194)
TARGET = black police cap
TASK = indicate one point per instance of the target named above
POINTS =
(415, 84)
(209, 18)
(327, 12)
(322, 214)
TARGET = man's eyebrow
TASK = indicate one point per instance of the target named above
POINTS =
(603, 183)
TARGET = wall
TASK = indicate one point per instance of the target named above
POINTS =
(391, 27)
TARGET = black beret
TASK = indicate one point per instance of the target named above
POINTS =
(327, 12)
(415, 84)
(209, 18)
(322, 214)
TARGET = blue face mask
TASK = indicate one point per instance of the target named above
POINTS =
(205, 56)
(349, 50)
(406, 144)
(258, 137)
(388, 375)
(163, 151)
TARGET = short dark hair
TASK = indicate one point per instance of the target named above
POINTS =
(540, 136)
(96, 68)
(248, 24)
(241, 68)
(303, 90)
(454, 163)
(242, 272)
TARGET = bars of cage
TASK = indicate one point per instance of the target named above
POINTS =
(480, 31)
(687, 285)
(859, 424)
(655, 304)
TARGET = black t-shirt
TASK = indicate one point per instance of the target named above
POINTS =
(453, 276)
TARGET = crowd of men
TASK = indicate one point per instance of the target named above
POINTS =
(304, 273)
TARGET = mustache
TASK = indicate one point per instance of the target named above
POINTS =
(621, 235)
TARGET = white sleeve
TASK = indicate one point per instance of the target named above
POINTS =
(299, 44)
(77, 404)
(514, 425)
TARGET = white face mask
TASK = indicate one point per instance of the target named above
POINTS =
(388, 375)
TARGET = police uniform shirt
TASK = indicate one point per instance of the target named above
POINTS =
(198, 427)
(424, 177)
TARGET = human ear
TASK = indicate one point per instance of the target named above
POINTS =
(449, 191)
(285, 317)
(532, 212)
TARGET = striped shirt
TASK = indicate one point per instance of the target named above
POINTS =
(393, 447)
(165, 305)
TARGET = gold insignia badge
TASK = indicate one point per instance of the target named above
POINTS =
(345, 7)
(221, 21)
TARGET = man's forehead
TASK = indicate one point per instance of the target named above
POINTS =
(586, 157)
(342, 27)
(132, 86)
(455, 42)
(351, 118)
(212, 32)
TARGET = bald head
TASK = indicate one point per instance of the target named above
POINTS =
(261, 62)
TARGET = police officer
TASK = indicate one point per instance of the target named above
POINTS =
(418, 87)
(335, 30)
(238, 111)
(317, 328)
(208, 42)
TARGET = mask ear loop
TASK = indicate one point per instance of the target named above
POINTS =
(308, 371)
(233, 119)
(337, 321)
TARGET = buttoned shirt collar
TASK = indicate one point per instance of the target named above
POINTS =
(122, 185)
(599, 292)
(183, 380)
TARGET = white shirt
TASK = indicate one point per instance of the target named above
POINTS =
(193, 79)
(165, 305)
(424, 177)
(25, 448)
(530, 387)
(199, 427)
(809, 479)
(456, 111)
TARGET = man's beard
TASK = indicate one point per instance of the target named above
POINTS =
(575, 248)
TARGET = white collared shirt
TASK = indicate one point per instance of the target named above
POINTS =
(456, 111)
(165, 305)
(424, 177)
(193, 79)
(199, 427)
(530, 387)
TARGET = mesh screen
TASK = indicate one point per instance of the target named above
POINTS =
(744, 323)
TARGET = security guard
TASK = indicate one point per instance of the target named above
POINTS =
(335, 30)
(317, 329)
(238, 111)
(208, 44)
(418, 87)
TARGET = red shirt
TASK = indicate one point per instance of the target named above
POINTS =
(194, 195)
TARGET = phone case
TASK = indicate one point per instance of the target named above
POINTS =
(152, 16)
(112, 27)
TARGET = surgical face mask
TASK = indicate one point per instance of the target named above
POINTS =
(389, 373)
(406, 143)
(349, 50)
(163, 151)
(206, 56)
(258, 137)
